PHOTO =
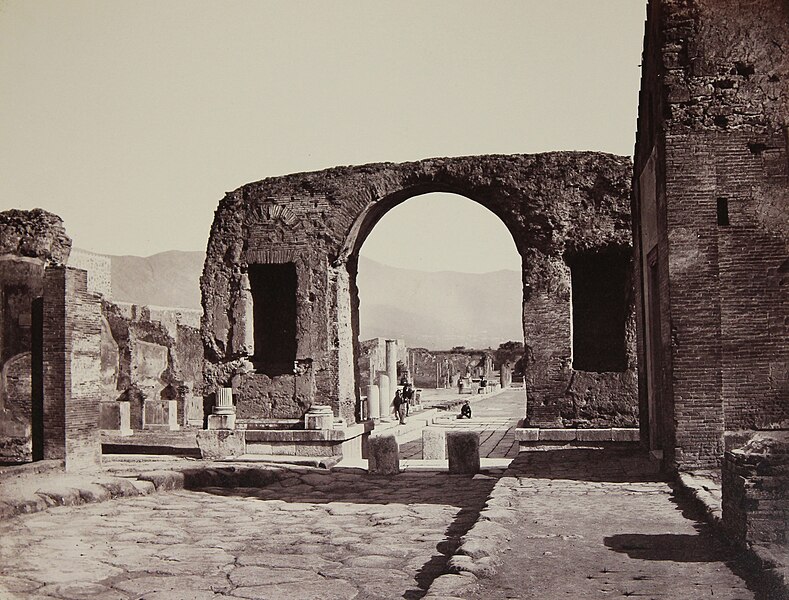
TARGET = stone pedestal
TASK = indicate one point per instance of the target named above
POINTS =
(224, 413)
(373, 403)
(384, 397)
(319, 417)
(115, 416)
(434, 443)
(463, 452)
(160, 414)
(383, 455)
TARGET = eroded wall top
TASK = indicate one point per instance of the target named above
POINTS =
(34, 234)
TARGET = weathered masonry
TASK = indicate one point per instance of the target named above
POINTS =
(280, 302)
(711, 218)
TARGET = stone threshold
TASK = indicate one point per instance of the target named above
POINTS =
(609, 434)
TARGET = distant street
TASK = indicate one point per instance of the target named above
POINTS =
(495, 418)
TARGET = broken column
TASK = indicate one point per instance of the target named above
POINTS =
(463, 452)
(224, 413)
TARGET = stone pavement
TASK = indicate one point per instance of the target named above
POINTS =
(308, 533)
(592, 523)
(495, 417)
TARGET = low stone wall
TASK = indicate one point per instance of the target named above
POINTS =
(756, 489)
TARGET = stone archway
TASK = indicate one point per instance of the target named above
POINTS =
(557, 206)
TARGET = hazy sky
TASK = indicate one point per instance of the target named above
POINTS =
(130, 119)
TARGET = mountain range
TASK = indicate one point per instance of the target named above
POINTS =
(432, 310)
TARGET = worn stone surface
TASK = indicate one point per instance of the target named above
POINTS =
(596, 523)
(557, 206)
(711, 186)
(329, 535)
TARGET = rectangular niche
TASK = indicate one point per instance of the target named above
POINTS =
(273, 289)
(600, 298)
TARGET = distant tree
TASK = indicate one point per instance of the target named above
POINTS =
(509, 353)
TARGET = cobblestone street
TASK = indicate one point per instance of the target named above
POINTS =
(314, 534)
(590, 523)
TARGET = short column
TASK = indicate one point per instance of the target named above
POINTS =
(383, 455)
(224, 416)
(463, 452)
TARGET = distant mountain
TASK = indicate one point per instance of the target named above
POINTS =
(430, 310)
(439, 310)
(166, 279)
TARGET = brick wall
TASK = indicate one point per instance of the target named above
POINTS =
(72, 374)
(712, 119)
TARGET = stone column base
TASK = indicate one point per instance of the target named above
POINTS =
(222, 421)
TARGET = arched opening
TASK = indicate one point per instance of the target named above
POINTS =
(440, 275)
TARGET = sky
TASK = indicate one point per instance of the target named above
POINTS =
(131, 119)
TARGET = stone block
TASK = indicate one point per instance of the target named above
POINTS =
(558, 435)
(529, 434)
(622, 434)
(593, 435)
(383, 455)
(463, 452)
(434, 443)
(221, 443)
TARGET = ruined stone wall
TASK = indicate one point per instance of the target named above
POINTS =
(555, 205)
(372, 359)
(152, 353)
(710, 194)
(437, 368)
(756, 489)
(99, 268)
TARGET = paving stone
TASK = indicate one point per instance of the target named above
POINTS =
(153, 583)
(326, 589)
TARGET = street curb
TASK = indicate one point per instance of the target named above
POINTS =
(477, 557)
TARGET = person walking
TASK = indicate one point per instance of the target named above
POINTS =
(399, 406)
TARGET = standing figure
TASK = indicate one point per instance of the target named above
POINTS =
(399, 406)
(408, 397)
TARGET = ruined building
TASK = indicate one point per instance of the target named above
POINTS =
(72, 361)
(711, 217)
(280, 302)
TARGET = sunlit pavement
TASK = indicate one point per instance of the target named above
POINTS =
(494, 417)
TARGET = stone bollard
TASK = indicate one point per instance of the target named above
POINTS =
(434, 443)
(373, 403)
(463, 452)
(383, 455)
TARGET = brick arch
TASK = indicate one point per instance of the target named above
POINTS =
(551, 203)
